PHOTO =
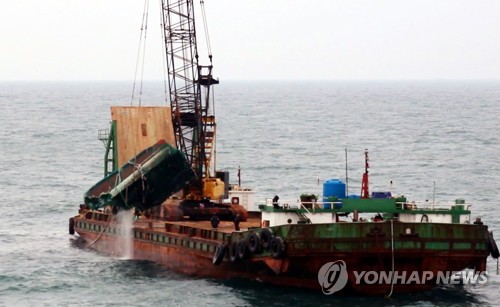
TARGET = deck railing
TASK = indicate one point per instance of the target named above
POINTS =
(311, 207)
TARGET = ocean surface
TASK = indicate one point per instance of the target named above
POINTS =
(285, 136)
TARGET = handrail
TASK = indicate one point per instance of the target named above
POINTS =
(406, 205)
(423, 205)
(301, 204)
(315, 204)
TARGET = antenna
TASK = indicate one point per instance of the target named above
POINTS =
(239, 176)
(346, 175)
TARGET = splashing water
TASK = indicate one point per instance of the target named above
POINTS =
(125, 220)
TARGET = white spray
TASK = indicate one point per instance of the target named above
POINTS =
(125, 221)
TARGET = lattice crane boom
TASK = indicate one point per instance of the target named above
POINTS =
(189, 87)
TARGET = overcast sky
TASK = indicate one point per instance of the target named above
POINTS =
(258, 39)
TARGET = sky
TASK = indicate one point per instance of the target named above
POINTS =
(258, 39)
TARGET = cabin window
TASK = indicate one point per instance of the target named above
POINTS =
(144, 130)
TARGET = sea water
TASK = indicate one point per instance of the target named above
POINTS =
(287, 137)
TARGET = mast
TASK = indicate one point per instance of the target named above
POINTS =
(189, 88)
(364, 183)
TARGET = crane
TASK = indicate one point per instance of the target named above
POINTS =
(189, 85)
(144, 185)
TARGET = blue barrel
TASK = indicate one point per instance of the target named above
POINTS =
(333, 188)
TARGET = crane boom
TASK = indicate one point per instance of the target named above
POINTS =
(189, 87)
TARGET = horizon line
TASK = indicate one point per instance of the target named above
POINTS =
(263, 80)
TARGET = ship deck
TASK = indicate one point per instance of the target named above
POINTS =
(224, 226)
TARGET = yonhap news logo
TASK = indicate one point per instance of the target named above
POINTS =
(467, 277)
(333, 277)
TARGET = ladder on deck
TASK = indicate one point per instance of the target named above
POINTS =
(303, 219)
(107, 136)
(209, 143)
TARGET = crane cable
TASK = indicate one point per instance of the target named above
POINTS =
(205, 26)
(209, 50)
(144, 29)
(142, 47)
(164, 50)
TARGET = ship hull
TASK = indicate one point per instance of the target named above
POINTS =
(189, 250)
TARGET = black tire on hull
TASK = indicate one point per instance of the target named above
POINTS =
(265, 238)
(492, 246)
(277, 248)
(233, 252)
(71, 226)
(243, 249)
(219, 254)
(254, 245)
